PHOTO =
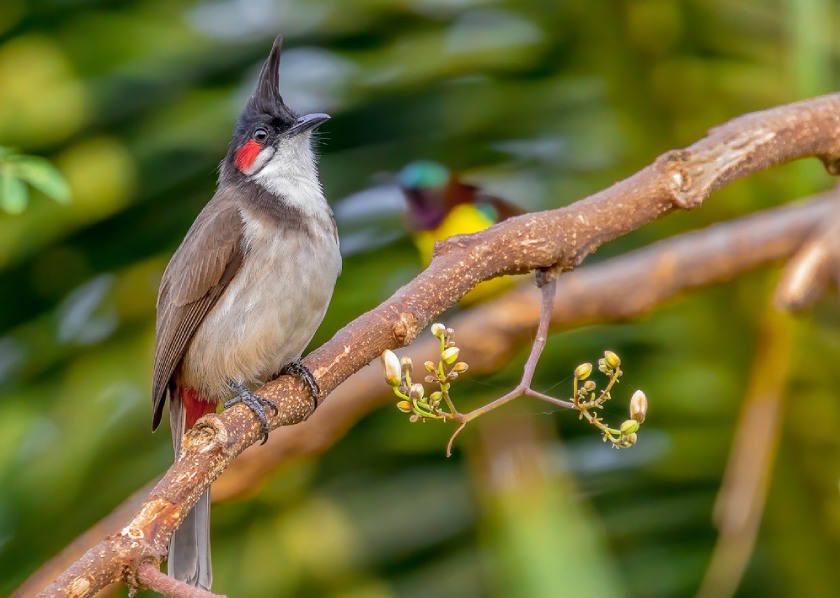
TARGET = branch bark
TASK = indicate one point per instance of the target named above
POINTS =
(561, 238)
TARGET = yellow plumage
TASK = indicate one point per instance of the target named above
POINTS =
(462, 219)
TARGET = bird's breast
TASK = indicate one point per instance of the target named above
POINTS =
(269, 311)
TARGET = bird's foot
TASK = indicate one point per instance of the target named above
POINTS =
(298, 370)
(254, 402)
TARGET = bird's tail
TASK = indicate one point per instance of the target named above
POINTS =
(189, 549)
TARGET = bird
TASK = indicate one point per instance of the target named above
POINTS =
(440, 205)
(245, 291)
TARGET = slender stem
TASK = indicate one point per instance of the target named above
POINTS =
(452, 438)
(548, 291)
(514, 394)
(548, 399)
(444, 390)
(151, 576)
(608, 387)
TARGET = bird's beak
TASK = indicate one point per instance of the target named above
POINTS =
(307, 122)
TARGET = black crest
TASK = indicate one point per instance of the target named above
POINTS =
(267, 98)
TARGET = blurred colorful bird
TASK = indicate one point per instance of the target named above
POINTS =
(441, 205)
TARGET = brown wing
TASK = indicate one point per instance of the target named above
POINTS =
(197, 275)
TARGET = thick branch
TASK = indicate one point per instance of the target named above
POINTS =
(490, 334)
(559, 237)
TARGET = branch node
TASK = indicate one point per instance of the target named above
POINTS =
(79, 587)
(682, 169)
(405, 329)
(207, 434)
(831, 163)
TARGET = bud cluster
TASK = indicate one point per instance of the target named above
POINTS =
(413, 397)
(588, 402)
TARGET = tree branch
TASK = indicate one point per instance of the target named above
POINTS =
(562, 238)
(814, 268)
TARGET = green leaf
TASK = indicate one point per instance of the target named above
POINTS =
(42, 175)
(13, 195)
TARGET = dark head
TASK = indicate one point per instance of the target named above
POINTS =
(268, 132)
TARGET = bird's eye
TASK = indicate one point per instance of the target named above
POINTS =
(260, 135)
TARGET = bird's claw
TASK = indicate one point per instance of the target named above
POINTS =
(300, 371)
(255, 403)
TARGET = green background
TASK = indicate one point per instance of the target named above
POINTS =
(540, 101)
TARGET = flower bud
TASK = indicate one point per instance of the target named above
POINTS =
(416, 391)
(631, 439)
(631, 426)
(391, 365)
(404, 406)
(638, 406)
(583, 370)
(435, 396)
(450, 355)
(460, 367)
(589, 386)
(612, 360)
(430, 367)
(438, 330)
(602, 366)
(406, 363)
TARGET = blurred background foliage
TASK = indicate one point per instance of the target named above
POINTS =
(538, 101)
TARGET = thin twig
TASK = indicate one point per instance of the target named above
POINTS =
(151, 577)
(548, 287)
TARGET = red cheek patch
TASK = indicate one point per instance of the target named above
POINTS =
(246, 155)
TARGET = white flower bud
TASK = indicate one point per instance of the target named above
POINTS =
(638, 406)
(391, 365)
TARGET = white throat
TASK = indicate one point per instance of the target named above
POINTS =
(290, 171)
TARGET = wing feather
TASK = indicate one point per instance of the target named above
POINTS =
(197, 275)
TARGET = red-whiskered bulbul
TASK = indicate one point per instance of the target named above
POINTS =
(246, 289)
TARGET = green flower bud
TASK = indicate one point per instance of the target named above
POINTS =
(430, 367)
(589, 386)
(638, 406)
(450, 355)
(460, 367)
(631, 439)
(583, 370)
(612, 360)
(631, 426)
(391, 365)
(404, 406)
